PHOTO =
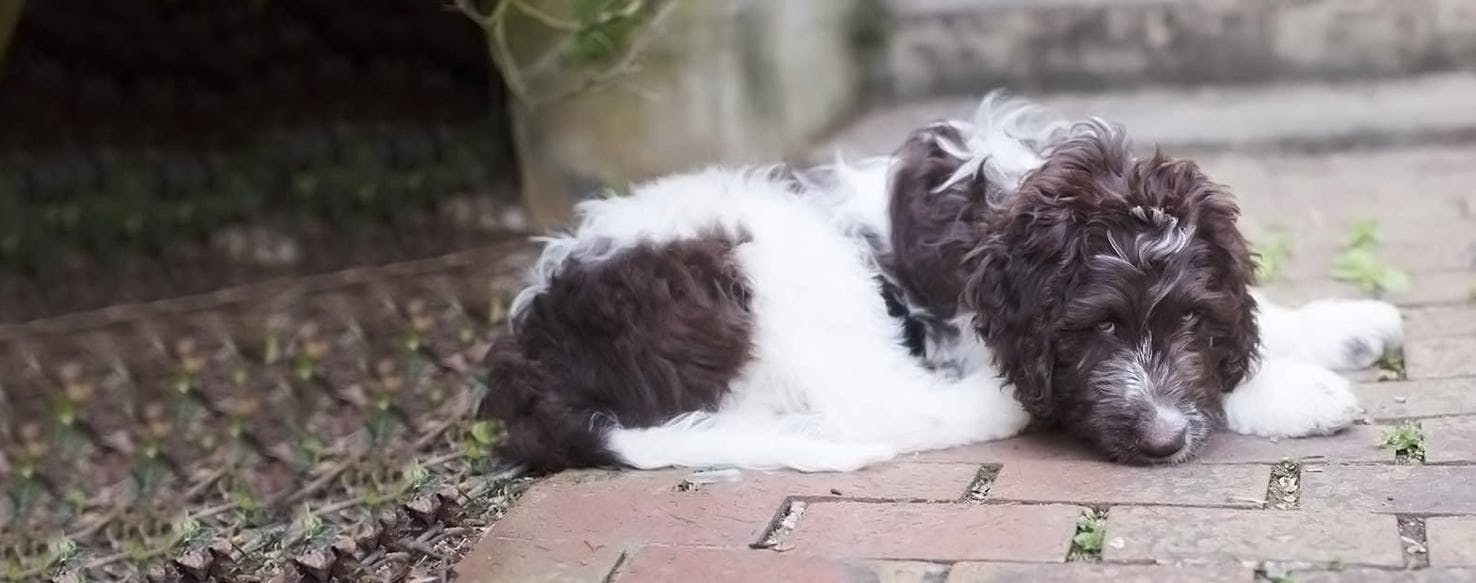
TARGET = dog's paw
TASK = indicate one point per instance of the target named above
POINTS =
(1349, 334)
(1287, 398)
(1005, 417)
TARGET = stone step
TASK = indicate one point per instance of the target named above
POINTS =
(1314, 117)
(956, 46)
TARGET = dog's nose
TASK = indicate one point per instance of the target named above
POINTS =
(1161, 442)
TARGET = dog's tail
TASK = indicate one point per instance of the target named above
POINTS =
(543, 431)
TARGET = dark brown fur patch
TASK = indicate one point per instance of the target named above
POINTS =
(1049, 311)
(650, 333)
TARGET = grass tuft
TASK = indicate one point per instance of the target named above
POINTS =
(1407, 439)
(1360, 265)
(1091, 532)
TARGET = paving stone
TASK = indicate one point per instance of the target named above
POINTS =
(1359, 443)
(1433, 358)
(647, 507)
(1450, 439)
(496, 559)
(1222, 535)
(1092, 573)
(1451, 540)
(636, 507)
(1436, 321)
(937, 532)
(1391, 489)
(1389, 401)
(1099, 483)
(1029, 447)
(898, 481)
(663, 564)
(1439, 287)
(1409, 256)
(1381, 576)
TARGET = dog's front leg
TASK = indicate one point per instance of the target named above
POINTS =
(1336, 334)
(1286, 397)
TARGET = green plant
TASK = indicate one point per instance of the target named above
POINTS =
(1407, 439)
(1091, 531)
(1391, 366)
(600, 37)
(1272, 255)
(1359, 263)
(1363, 268)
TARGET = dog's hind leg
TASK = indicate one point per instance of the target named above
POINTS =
(1337, 334)
(733, 439)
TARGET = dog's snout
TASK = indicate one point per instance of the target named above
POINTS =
(1162, 445)
(1164, 437)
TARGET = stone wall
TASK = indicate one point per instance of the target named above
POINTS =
(961, 46)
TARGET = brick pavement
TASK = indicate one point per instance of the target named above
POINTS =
(1008, 511)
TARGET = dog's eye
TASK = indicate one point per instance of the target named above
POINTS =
(1106, 327)
(1189, 317)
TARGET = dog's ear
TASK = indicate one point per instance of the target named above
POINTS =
(1030, 262)
(935, 206)
(1213, 214)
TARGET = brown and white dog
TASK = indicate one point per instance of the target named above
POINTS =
(993, 272)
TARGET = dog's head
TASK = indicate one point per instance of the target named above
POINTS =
(1114, 293)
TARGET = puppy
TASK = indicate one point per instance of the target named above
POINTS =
(991, 273)
(1114, 292)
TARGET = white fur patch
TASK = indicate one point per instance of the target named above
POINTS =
(830, 386)
(1289, 398)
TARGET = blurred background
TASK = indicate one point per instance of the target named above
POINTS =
(251, 252)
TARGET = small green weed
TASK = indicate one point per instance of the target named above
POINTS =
(1272, 255)
(1360, 265)
(1391, 367)
(1407, 439)
(1091, 531)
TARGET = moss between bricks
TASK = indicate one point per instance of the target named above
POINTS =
(1407, 439)
(1091, 533)
(1391, 366)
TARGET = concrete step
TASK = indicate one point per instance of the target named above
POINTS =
(1304, 117)
(955, 46)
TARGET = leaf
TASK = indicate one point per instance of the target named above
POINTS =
(1364, 233)
(484, 432)
(1362, 267)
(1271, 258)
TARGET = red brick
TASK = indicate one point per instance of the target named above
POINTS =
(496, 559)
(1433, 358)
(1109, 483)
(900, 481)
(1358, 443)
(635, 507)
(1425, 398)
(1380, 576)
(645, 507)
(1032, 447)
(1391, 489)
(663, 564)
(1094, 573)
(1435, 321)
(1220, 535)
(937, 532)
(1451, 541)
(1450, 439)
